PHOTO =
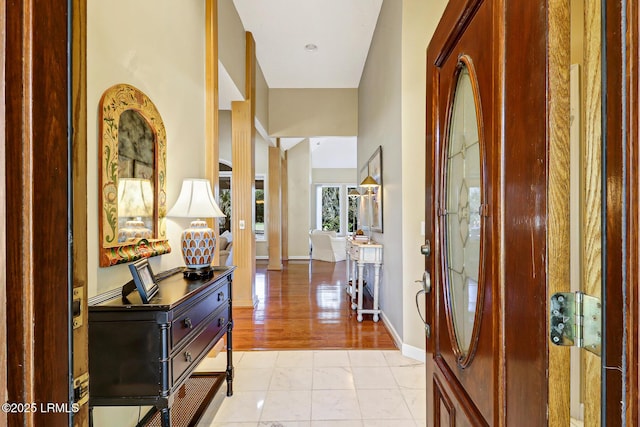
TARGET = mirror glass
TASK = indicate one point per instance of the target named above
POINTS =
(462, 200)
(132, 177)
(136, 171)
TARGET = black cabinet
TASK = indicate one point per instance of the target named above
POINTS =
(141, 354)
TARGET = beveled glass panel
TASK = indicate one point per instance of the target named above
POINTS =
(463, 202)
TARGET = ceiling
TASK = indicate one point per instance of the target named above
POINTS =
(283, 30)
(341, 30)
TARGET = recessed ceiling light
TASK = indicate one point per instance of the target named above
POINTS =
(310, 47)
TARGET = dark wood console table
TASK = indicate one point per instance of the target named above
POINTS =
(141, 354)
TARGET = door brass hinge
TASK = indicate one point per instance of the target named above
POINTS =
(81, 389)
(575, 320)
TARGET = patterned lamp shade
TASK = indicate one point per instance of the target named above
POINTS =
(198, 241)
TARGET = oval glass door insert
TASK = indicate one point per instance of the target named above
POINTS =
(463, 190)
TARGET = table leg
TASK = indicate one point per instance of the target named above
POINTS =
(354, 284)
(376, 288)
(165, 417)
(360, 290)
(229, 371)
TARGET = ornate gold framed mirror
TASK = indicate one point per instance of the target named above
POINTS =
(463, 195)
(132, 177)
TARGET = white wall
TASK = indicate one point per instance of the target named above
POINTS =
(147, 50)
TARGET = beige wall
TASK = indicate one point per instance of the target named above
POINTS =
(299, 183)
(262, 99)
(392, 114)
(313, 112)
(380, 110)
(224, 135)
(231, 43)
(156, 62)
(419, 21)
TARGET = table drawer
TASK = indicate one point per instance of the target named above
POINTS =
(184, 361)
(190, 320)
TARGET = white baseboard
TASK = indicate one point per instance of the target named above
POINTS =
(406, 349)
(299, 257)
(414, 352)
(394, 333)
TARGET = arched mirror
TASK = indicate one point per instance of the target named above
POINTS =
(463, 196)
(132, 177)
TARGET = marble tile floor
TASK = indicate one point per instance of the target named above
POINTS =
(321, 388)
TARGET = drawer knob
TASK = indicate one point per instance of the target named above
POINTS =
(221, 321)
(220, 296)
(187, 356)
(187, 323)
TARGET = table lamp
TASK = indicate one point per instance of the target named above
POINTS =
(354, 193)
(135, 201)
(198, 241)
(369, 182)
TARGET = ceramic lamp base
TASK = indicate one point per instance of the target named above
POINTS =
(133, 231)
(198, 244)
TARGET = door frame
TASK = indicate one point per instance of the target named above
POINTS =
(621, 203)
(37, 151)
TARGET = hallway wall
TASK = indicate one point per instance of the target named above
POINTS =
(392, 114)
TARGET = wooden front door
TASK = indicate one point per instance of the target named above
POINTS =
(498, 213)
(463, 208)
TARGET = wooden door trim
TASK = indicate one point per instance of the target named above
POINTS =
(558, 192)
(633, 210)
(37, 180)
(620, 293)
(464, 14)
(3, 214)
(612, 379)
(79, 187)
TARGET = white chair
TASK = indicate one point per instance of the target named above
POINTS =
(326, 246)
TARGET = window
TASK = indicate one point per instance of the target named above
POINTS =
(330, 198)
(334, 210)
(259, 207)
(225, 202)
(352, 211)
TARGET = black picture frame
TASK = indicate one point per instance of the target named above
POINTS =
(144, 279)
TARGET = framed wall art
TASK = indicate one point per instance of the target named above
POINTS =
(375, 171)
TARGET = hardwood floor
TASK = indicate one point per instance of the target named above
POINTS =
(305, 306)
